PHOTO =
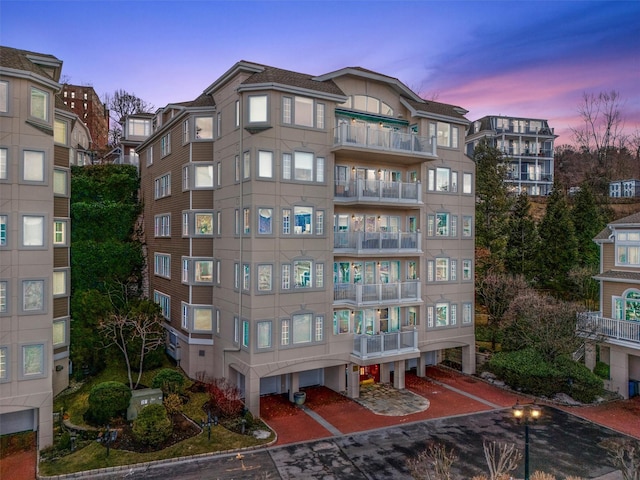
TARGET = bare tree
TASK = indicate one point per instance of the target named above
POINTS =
(501, 458)
(135, 334)
(624, 454)
(432, 463)
(121, 104)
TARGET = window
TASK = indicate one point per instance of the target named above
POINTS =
(60, 333)
(467, 272)
(467, 183)
(302, 218)
(33, 361)
(286, 221)
(203, 223)
(162, 227)
(447, 135)
(33, 166)
(265, 164)
(237, 168)
(4, 97)
(263, 334)
(150, 155)
(442, 270)
(245, 333)
(442, 225)
(162, 265)
(4, 162)
(627, 307)
(60, 182)
(265, 221)
(467, 228)
(341, 321)
(443, 179)
(139, 127)
(4, 295)
(285, 334)
(286, 277)
(33, 231)
(60, 129)
(39, 104)
(165, 145)
(60, 283)
(4, 219)
(219, 124)
(258, 109)
(203, 271)
(60, 233)
(265, 274)
(33, 296)
(185, 131)
(165, 303)
(203, 176)
(236, 333)
(4, 358)
(302, 328)
(442, 314)
(467, 313)
(163, 186)
(628, 248)
(202, 318)
(246, 221)
(319, 329)
(237, 114)
(306, 274)
(300, 111)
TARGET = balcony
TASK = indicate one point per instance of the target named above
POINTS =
(376, 293)
(591, 323)
(378, 191)
(385, 344)
(376, 242)
(369, 139)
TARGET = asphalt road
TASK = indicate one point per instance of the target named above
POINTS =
(560, 444)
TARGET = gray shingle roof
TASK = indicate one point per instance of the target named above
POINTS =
(438, 108)
(294, 79)
(633, 219)
(618, 275)
(18, 59)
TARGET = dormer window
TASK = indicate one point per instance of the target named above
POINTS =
(138, 127)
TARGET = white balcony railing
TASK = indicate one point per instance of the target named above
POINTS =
(409, 193)
(386, 139)
(377, 293)
(591, 323)
(384, 344)
(373, 242)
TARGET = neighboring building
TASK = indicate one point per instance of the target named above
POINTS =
(310, 230)
(85, 103)
(136, 128)
(624, 188)
(527, 145)
(617, 324)
(39, 137)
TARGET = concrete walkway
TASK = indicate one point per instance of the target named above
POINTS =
(383, 399)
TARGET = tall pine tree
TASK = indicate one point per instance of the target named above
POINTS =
(588, 220)
(558, 250)
(493, 203)
(522, 242)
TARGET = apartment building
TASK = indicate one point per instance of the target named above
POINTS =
(86, 104)
(40, 136)
(613, 333)
(527, 145)
(310, 230)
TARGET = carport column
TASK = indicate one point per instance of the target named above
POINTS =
(398, 374)
(294, 384)
(252, 392)
(385, 372)
(469, 359)
(353, 380)
(619, 371)
(421, 371)
(590, 355)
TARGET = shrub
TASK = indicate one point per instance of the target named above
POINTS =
(224, 398)
(106, 401)
(170, 381)
(578, 381)
(602, 370)
(173, 403)
(152, 426)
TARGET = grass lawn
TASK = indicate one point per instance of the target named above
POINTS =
(92, 455)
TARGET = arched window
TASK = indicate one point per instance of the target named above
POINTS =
(627, 307)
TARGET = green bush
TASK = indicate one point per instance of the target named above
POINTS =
(602, 370)
(170, 381)
(106, 401)
(152, 426)
(526, 370)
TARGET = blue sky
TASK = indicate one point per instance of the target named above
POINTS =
(521, 58)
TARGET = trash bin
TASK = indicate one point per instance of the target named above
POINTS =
(299, 398)
(634, 388)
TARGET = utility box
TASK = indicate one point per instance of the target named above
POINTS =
(142, 398)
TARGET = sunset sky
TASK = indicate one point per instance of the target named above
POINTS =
(520, 58)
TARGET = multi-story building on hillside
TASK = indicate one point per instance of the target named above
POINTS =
(616, 327)
(86, 104)
(310, 230)
(527, 145)
(39, 137)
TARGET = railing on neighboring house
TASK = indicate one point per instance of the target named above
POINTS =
(383, 344)
(377, 293)
(374, 242)
(370, 136)
(379, 191)
(591, 323)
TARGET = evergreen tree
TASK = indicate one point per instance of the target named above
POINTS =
(558, 251)
(522, 241)
(588, 220)
(493, 203)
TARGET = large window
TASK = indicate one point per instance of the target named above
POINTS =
(33, 296)
(33, 166)
(197, 176)
(32, 361)
(138, 127)
(442, 270)
(165, 303)
(265, 278)
(265, 221)
(60, 132)
(303, 167)
(197, 271)
(33, 231)
(162, 225)
(442, 224)
(60, 182)
(39, 104)
(302, 328)
(442, 180)
(628, 248)
(341, 321)
(447, 135)
(467, 183)
(441, 314)
(204, 128)
(265, 164)
(60, 286)
(302, 111)
(163, 186)
(627, 307)
(263, 334)
(303, 274)
(162, 265)
(258, 112)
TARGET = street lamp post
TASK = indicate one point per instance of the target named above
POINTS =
(527, 414)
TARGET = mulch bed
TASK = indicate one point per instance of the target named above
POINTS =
(183, 429)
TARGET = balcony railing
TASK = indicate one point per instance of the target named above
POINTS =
(591, 323)
(375, 294)
(374, 242)
(377, 191)
(384, 344)
(369, 136)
